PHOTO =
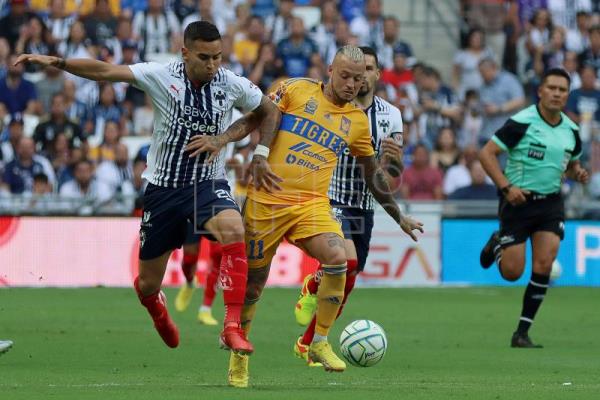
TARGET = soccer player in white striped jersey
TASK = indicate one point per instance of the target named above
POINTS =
(190, 97)
(351, 199)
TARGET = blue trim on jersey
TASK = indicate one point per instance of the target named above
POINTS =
(314, 132)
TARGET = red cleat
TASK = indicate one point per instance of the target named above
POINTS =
(233, 338)
(164, 325)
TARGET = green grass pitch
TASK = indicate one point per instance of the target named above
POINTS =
(450, 343)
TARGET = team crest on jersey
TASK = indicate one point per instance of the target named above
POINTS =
(220, 97)
(345, 125)
(278, 95)
(383, 125)
(311, 106)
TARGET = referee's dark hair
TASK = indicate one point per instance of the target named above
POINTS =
(556, 72)
(369, 51)
(201, 30)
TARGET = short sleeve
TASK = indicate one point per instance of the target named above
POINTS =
(577, 151)
(362, 146)
(281, 96)
(247, 95)
(147, 76)
(396, 124)
(510, 134)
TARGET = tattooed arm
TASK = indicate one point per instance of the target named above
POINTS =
(378, 185)
(264, 116)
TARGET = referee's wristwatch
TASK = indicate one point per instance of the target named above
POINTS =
(506, 189)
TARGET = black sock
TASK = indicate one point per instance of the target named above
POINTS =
(534, 295)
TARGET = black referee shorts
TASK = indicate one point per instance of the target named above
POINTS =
(357, 225)
(168, 211)
(539, 213)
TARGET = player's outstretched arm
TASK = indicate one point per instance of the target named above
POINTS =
(238, 130)
(86, 68)
(378, 185)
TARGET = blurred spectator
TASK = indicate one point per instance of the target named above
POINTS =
(479, 189)
(421, 181)
(399, 75)
(117, 174)
(297, 52)
(501, 95)
(53, 82)
(84, 186)
(106, 110)
(181, 8)
(76, 45)
(76, 111)
(205, 12)
(551, 55)
(578, 38)
(19, 173)
(34, 38)
(17, 95)
(439, 107)
(539, 34)
(57, 123)
(583, 106)
(11, 25)
(466, 63)
(446, 152)
(564, 12)
(267, 68)
(392, 45)
(369, 27)
(228, 58)
(279, 25)
(472, 120)
(263, 8)
(572, 67)
(4, 54)
(8, 149)
(59, 154)
(40, 195)
(101, 24)
(58, 21)
(156, 28)
(323, 34)
(591, 55)
(66, 171)
(143, 118)
(224, 10)
(489, 16)
(341, 38)
(106, 150)
(247, 44)
(458, 175)
(351, 9)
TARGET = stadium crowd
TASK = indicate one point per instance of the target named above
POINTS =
(68, 138)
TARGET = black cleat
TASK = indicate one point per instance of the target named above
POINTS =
(488, 253)
(524, 341)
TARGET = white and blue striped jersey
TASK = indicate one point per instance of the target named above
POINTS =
(348, 186)
(183, 110)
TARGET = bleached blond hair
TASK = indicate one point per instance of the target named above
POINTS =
(352, 52)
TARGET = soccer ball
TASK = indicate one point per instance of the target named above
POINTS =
(363, 343)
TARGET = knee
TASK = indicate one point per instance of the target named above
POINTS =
(232, 232)
(147, 285)
(511, 271)
(543, 265)
(337, 256)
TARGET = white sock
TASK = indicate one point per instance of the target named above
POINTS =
(204, 308)
(319, 338)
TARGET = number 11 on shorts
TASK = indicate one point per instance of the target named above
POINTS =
(256, 250)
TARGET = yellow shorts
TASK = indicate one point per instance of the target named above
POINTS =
(267, 224)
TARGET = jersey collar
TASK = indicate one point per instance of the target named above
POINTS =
(537, 108)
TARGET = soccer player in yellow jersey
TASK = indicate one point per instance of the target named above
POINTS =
(294, 163)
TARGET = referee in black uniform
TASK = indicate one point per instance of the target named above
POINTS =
(543, 144)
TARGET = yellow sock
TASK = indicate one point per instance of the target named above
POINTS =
(248, 312)
(330, 296)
